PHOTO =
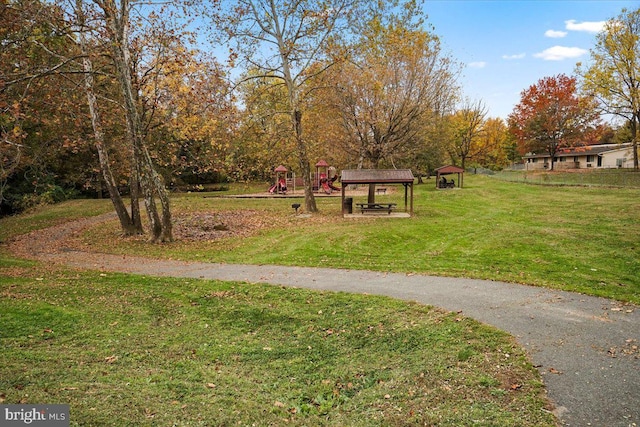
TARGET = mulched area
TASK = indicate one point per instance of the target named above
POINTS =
(207, 226)
(187, 227)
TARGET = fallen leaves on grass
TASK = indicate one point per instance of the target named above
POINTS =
(206, 226)
(111, 359)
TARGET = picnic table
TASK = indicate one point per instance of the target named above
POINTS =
(446, 184)
(376, 207)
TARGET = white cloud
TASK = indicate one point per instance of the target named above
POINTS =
(555, 34)
(559, 53)
(516, 56)
(589, 27)
(479, 64)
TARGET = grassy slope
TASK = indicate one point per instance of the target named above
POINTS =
(572, 238)
(127, 350)
(131, 350)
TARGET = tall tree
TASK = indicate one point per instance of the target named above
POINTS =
(264, 137)
(493, 144)
(58, 49)
(40, 119)
(186, 111)
(396, 79)
(392, 92)
(551, 116)
(199, 125)
(614, 73)
(130, 223)
(511, 150)
(284, 40)
(467, 126)
(116, 14)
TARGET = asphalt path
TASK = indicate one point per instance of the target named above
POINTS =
(585, 348)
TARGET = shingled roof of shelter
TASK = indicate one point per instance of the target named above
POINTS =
(377, 176)
(449, 169)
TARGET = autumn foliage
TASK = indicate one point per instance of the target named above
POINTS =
(359, 84)
(551, 116)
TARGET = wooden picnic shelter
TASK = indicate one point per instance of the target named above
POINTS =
(379, 176)
(448, 170)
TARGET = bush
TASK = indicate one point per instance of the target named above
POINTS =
(14, 203)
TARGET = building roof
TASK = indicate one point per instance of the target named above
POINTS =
(376, 176)
(449, 169)
(587, 150)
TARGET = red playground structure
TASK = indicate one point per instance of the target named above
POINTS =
(280, 186)
(326, 178)
(322, 180)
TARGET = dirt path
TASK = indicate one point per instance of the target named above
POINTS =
(586, 348)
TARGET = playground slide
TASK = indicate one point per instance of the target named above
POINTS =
(280, 188)
(326, 187)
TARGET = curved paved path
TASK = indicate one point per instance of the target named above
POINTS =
(586, 348)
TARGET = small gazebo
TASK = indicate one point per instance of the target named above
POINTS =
(380, 176)
(448, 170)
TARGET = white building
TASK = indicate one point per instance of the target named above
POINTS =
(590, 156)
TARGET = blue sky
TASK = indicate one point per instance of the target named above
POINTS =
(506, 46)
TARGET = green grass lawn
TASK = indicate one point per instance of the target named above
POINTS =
(128, 350)
(572, 238)
(125, 350)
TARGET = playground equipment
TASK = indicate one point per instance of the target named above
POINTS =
(322, 180)
(280, 185)
(325, 180)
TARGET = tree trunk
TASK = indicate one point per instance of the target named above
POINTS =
(371, 196)
(634, 140)
(128, 226)
(552, 150)
(134, 186)
(150, 181)
(305, 166)
(143, 173)
(296, 116)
